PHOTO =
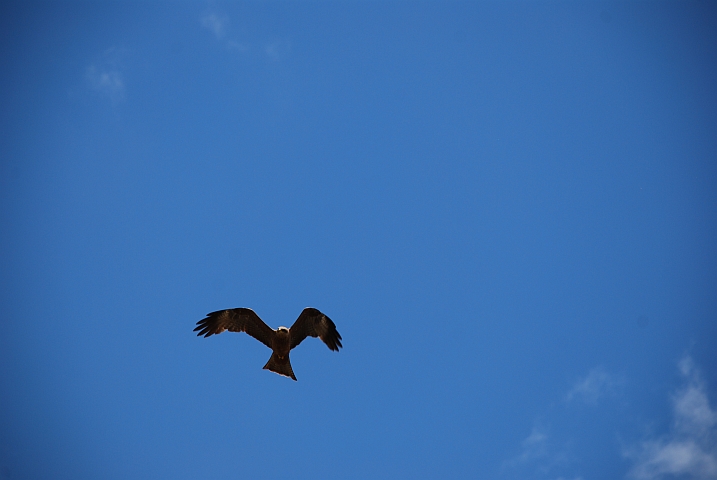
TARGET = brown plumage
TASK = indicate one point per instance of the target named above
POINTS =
(311, 323)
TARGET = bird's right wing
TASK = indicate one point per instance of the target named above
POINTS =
(313, 323)
(236, 320)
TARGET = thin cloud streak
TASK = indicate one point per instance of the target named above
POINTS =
(277, 49)
(109, 82)
(234, 45)
(691, 446)
(218, 24)
(539, 458)
(598, 383)
(215, 23)
(535, 446)
(105, 77)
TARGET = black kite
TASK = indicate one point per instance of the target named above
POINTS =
(311, 323)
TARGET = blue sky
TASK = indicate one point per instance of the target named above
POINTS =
(508, 210)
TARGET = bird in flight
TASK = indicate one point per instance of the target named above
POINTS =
(311, 323)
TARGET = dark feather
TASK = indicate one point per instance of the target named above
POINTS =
(236, 320)
(313, 323)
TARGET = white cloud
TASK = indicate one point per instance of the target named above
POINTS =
(234, 45)
(534, 447)
(104, 76)
(539, 458)
(690, 448)
(659, 459)
(553, 458)
(277, 49)
(109, 82)
(596, 384)
(216, 23)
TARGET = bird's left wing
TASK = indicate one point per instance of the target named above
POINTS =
(313, 323)
(236, 320)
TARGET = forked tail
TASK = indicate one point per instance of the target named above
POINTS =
(282, 367)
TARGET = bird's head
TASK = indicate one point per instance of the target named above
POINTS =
(282, 330)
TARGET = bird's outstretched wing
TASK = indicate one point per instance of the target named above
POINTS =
(236, 320)
(313, 323)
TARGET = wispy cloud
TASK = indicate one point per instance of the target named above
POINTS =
(219, 25)
(534, 446)
(216, 23)
(596, 384)
(540, 457)
(690, 448)
(237, 46)
(277, 49)
(551, 456)
(104, 76)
